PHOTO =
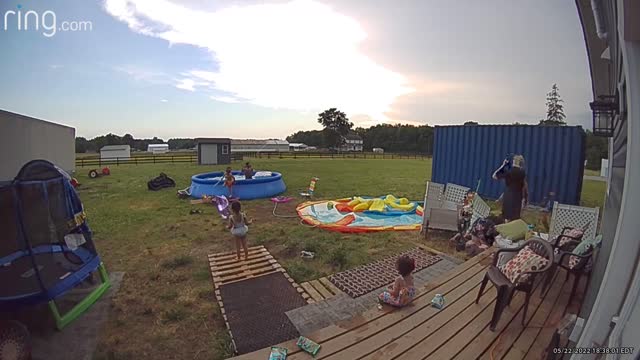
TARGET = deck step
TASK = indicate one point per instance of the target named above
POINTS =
(321, 289)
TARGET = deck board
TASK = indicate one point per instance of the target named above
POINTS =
(367, 334)
(526, 338)
(403, 331)
(460, 330)
(321, 289)
(539, 347)
(333, 331)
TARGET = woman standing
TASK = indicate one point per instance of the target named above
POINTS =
(516, 193)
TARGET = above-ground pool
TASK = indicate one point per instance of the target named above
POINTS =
(263, 185)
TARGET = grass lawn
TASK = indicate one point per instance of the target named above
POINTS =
(166, 304)
(588, 172)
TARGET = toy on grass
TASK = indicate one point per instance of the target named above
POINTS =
(95, 173)
(281, 199)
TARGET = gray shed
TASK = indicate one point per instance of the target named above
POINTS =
(214, 151)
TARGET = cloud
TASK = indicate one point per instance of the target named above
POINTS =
(55, 66)
(164, 101)
(139, 73)
(299, 55)
(186, 84)
(226, 99)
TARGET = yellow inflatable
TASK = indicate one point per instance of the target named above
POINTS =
(377, 205)
(361, 207)
(359, 204)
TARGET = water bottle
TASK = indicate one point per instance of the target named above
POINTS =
(438, 301)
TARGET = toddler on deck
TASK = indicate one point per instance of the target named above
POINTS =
(402, 291)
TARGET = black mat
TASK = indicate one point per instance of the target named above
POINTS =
(255, 310)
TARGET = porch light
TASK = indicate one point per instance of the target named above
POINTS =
(604, 110)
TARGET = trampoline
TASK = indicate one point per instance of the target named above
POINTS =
(264, 184)
(45, 245)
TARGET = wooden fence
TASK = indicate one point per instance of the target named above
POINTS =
(327, 155)
(193, 158)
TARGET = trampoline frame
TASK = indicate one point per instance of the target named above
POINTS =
(84, 305)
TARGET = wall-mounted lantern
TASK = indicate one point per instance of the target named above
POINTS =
(605, 111)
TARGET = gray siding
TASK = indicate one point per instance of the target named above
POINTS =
(24, 138)
(617, 165)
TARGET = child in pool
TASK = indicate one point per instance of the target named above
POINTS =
(248, 171)
(238, 225)
(402, 291)
(229, 180)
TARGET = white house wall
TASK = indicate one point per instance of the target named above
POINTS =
(23, 139)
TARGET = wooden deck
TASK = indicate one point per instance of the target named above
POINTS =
(319, 290)
(459, 331)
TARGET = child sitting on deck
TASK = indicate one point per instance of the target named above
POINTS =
(402, 291)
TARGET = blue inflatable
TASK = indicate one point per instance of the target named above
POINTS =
(264, 184)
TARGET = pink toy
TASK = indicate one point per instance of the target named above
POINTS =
(281, 199)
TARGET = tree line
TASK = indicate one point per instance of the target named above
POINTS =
(392, 138)
(84, 145)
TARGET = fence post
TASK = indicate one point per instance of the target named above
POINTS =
(172, 159)
(100, 161)
(117, 161)
(136, 160)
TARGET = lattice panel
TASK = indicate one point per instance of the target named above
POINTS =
(455, 193)
(575, 217)
(433, 197)
(480, 209)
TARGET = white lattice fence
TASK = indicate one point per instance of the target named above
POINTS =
(455, 193)
(576, 217)
(480, 209)
(433, 197)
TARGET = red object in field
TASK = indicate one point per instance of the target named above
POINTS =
(74, 182)
(106, 171)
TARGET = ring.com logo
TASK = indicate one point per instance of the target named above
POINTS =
(21, 20)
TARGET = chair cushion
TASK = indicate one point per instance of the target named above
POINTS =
(526, 260)
(574, 233)
(582, 249)
(514, 230)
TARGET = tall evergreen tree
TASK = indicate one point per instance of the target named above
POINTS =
(555, 109)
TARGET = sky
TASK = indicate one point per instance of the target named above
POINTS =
(265, 69)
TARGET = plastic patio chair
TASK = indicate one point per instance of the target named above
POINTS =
(506, 288)
(311, 190)
(576, 265)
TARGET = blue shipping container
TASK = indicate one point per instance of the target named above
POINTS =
(554, 158)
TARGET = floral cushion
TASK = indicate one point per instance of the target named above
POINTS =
(526, 260)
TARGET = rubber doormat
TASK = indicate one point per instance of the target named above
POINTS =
(254, 310)
(366, 278)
